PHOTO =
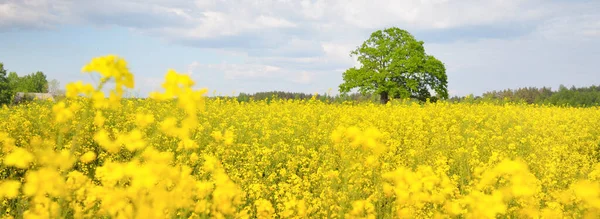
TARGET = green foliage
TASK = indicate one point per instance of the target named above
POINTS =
(32, 83)
(576, 97)
(13, 81)
(5, 91)
(394, 64)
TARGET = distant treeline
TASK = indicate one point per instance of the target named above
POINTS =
(272, 95)
(580, 97)
(583, 96)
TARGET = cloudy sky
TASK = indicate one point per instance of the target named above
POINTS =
(303, 45)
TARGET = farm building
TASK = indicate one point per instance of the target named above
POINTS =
(21, 96)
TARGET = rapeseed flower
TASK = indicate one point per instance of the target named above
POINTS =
(19, 158)
(9, 189)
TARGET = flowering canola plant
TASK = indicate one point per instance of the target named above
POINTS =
(177, 154)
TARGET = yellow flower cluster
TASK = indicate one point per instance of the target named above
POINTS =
(112, 67)
(191, 101)
(178, 154)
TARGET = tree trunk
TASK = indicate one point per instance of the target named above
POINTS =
(384, 98)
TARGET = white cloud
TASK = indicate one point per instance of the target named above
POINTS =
(419, 14)
(204, 19)
(254, 72)
(31, 13)
(273, 22)
(304, 78)
(340, 52)
(586, 26)
(192, 67)
(217, 17)
(592, 32)
(243, 71)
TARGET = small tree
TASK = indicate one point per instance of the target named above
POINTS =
(394, 64)
(5, 89)
(54, 88)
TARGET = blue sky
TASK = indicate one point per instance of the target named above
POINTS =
(303, 45)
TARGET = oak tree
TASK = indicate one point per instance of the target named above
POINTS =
(394, 64)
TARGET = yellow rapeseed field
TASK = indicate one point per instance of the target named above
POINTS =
(179, 155)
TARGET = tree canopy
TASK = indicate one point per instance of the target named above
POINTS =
(394, 64)
(34, 82)
(5, 92)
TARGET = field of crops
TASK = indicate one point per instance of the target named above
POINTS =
(195, 158)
